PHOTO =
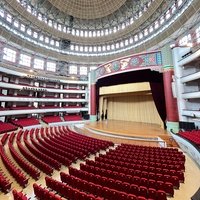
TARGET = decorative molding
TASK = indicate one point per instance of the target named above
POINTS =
(150, 60)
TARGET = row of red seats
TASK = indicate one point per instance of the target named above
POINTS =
(48, 106)
(65, 142)
(72, 117)
(13, 169)
(34, 160)
(42, 156)
(140, 171)
(2, 108)
(71, 88)
(156, 154)
(71, 97)
(156, 163)
(23, 122)
(33, 172)
(72, 106)
(65, 146)
(61, 155)
(51, 119)
(4, 138)
(85, 140)
(81, 144)
(19, 195)
(68, 191)
(44, 194)
(47, 86)
(12, 137)
(50, 97)
(191, 131)
(7, 127)
(54, 159)
(21, 107)
(39, 107)
(193, 136)
(50, 86)
(146, 158)
(108, 192)
(19, 135)
(27, 133)
(164, 159)
(132, 179)
(147, 151)
(134, 168)
(21, 83)
(146, 148)
(137, 190)
(5, 184)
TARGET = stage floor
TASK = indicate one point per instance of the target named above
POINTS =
(125, 131)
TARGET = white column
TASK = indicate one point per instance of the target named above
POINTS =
(178, 84)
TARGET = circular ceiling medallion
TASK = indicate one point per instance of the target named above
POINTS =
(88, 9)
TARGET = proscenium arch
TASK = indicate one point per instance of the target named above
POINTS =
(155, 79)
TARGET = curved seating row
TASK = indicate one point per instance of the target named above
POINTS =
(33, 172)
(34, 160)
(193, 136)
(95, 181)
(16, 172)
(5, 184)
(4, 139)
(19, 195)
(44, 194)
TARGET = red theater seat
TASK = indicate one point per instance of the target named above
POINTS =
(51, 119)
(23, 122)
(7, 127)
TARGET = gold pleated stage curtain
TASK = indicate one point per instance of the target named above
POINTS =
(137, 108)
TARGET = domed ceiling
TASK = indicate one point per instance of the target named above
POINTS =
(88, 9)
(96, 30)
(90, 14)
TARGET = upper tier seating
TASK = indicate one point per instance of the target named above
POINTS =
(2, 108)
(23, 122)
(48, 106)
(193, 136)
(72, 117)
(72, 106)
(22, 107)
(50, 97)
(7, 127)
(51, 119)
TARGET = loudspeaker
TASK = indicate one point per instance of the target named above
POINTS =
(86, 116)
(187, 126)
(65, 44)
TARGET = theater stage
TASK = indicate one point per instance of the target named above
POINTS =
(131, 132)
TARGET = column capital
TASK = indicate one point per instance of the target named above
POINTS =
(168, 68)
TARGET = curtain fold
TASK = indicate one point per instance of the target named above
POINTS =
(157, 90)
